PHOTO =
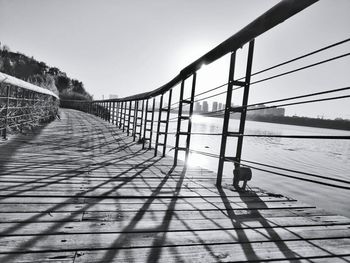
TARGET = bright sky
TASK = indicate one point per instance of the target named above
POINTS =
(133, 46)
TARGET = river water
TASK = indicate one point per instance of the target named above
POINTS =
(330, 158)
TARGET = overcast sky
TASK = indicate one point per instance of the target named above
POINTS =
(132, 46)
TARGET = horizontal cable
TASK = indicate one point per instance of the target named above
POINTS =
(284, 175)
(299, 172)
(301, 102)
(204, 92)
(279, 75)
(298, 58)
(277, 136)
(300, 96)
(301, 68)
(278, 65)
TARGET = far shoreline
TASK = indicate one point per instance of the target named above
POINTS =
(295, 120)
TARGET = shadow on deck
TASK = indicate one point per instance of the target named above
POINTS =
(79, 190)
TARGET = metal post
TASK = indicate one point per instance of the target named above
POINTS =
(244, 108)
(189, 127)
(121, 114)
(124, 121)
(167, 123)
(178, 129)
(145, 125)
(159, 121)
(109, 114)
(117, 114)
(152, 120)
(8, 87)
(135, 119)
(142, 109)
(128, 128)
(226, 119)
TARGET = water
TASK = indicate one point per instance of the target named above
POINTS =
(329, 158)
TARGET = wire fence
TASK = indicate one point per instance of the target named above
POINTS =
(23, 105)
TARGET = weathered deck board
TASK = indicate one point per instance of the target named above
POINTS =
(79, 190)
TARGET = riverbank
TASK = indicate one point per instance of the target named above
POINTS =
(338, 124)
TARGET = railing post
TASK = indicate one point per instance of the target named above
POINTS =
(109, 115)
(226, 119)
(244, 110)
(129, 118)
(8, 87)
(142, 109)
(124, 120)
(136, 114)
(167, 123)
(189, 126)
(159, 122)
(121, 114)
(152, 121)
(104, 110)
(178, 128)
(145, 125)
(116, 114)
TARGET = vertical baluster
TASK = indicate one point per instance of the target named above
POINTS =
(8, 91)
(244, 113)
(117, 114)
(167, 123)
(121, 114)
(124, 124)
(136, 114)
(141, 123)
(226, 119)
(189, 126)
(159, 122)
(109, 113)
(129, 117)
(178, 128)
(152, 121)
(145, 125)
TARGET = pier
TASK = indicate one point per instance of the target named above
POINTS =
(79, 190)
(100, 180)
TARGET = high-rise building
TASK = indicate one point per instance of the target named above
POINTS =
(113, 96)
(197, 107)
(220, 106)
(215, 106)
(205, 106)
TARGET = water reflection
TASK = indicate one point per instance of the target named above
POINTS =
(324, 157)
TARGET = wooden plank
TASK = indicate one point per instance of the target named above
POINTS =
(45, 257)
(247, 252)
(175, 206)
(160, 224)
(90, 195)
(66, 242)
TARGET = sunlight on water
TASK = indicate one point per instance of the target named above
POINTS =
(330, 158)
(196, 160)
(199, 119)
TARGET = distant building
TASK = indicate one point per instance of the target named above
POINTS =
(215, 106)
(205, 106)
(113, 96)
(197, 107)
(220, 106)
(267, 111)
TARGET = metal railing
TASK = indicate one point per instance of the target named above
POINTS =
(24, 105)
(136, 115)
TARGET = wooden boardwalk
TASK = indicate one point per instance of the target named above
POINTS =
(79, 190)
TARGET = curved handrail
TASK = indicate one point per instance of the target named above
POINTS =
(4, 78)
(271, 18)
